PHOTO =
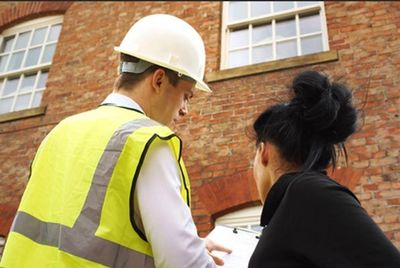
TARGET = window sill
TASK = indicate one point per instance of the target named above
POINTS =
(22, 114)
(271, 66)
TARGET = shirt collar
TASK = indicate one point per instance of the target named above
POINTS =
(277, 193)
(274, 198)
(122, 101)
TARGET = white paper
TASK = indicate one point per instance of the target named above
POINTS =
(242, 243)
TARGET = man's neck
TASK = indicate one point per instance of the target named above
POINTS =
(139, 97)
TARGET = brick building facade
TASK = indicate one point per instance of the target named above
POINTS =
(364, 52)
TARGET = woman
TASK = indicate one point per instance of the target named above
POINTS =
(311, 220)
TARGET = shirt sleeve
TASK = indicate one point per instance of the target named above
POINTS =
(333, 230)
(166, 218)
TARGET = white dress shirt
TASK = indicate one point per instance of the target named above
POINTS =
(166, 218)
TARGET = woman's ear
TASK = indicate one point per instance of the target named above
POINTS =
(264, 153)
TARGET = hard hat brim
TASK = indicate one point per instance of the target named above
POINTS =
(202, 86)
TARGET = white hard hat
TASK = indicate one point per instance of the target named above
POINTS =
(169, 42)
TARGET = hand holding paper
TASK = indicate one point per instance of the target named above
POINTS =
(213, 246)
(242, 243)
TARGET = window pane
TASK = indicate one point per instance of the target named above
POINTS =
(286, 49)
(238, 39)
(54, 33)
(37, 99)
(282, 5)
(22, 40)
(262, 34)
(286, 28)
(3, 62)
(237, 11)
(42, 80)
(310, 24)
(7, 44)
(33, 56)
(306, 3)
(38, 36)
(262, 53)
(27, 83)
(48, 53)
(10, 87)
(22, 102)
(260, 8)
(5, 105)
(311, 44)
(238, 58)
(16, 60)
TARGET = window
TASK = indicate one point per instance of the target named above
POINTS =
(255, 32)
(26, 53)
(248, 218)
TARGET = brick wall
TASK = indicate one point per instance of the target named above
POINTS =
(217, 149)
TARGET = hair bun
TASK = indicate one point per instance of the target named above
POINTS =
(324, 107)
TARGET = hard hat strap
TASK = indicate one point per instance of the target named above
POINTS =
(141, 66)
(134, 67)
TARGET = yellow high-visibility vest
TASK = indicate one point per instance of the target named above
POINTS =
(77, 208)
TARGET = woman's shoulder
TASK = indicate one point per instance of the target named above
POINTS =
(316, 184)
(313, 179)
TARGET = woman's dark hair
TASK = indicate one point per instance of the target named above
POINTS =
(316, 122)
(128, 80)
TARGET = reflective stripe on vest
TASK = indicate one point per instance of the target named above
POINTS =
(99, 250)
(80, 240)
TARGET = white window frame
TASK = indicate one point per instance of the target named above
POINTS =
(38, 68)
(245, 218)
(270, 18)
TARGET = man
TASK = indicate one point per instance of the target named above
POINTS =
(108, 187)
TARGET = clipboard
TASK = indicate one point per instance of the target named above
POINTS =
(241, 241)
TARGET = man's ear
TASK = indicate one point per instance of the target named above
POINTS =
(264, 153)
(157, 79)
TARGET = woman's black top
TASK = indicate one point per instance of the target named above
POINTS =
(312, 221)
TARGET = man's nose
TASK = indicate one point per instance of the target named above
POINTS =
(184, 110)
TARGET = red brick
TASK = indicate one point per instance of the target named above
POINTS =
(394, 201)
